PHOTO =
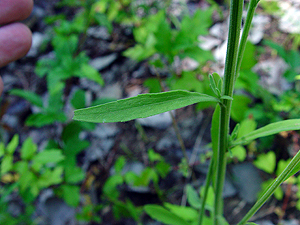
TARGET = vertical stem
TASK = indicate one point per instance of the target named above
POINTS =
(250, 13)
(236, 9)
(206, 187)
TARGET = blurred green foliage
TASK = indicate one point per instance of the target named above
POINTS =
(160, 39)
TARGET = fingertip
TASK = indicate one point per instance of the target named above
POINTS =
(28, 6)
(15, 42)
(1, 86)
(16, 10)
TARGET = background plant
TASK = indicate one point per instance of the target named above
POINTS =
(160, 41)
(150, 104)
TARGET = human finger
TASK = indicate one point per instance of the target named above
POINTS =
(15, 42)
(14, 10)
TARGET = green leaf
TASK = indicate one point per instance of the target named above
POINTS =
(71, 194)
(110, 186)
(270, 129)
(47, 118)
(280, 49)
(222, 220)
(47, 156)
(73, 175)
(213, 86)
(163, 37)
(148, 175)
(246, 126)
(210, 196)
(28, 149)
(266, 162)
(134, 211)
(278, 193)
(13, 144)
(239, 152)
(239, 107)
(101, 19)
(119, 164)
(188, 34)
(193, 197)
(153, 156)
(159, 213)
(141, 106)
(295, 170)
(281, 165)
(184, 212)
(78, 100)
(26, 180)
(163, 168)
(89, 72)
(188, 81)
(74, 145)
(214, 132)
(71, 131)
(139, 52)
(153, 85)
(6, 164)
(235, 132)
(2, 149)
(51, 177)
(29, 96)
(226, 97)
(249, 57)
(21, 167)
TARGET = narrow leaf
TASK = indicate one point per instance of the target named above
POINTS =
(215, 127)
(28, 150)
(29, 96)
(294, 170)
(161, 214)
(141, 106)
(270, 129)
(227, 97)
(13, 144)
(213, 85)
(235, 131)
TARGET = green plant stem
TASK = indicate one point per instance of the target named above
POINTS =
(279, 180)
(250, 13)
(236, 9)
(206, 187)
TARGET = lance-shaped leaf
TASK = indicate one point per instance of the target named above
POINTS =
(270, 129)
(29, 96)
(141, 106)
(163, 215)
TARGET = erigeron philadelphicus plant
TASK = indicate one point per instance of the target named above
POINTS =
(146, 105)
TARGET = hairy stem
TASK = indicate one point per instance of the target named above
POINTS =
(236, 9)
